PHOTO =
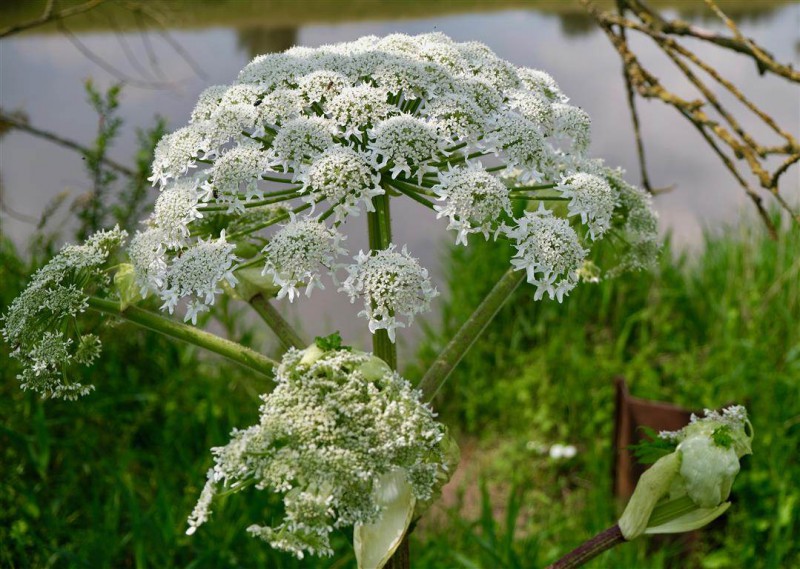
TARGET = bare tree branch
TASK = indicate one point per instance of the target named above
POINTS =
(49, 16)
(736, 147)
(10, 121)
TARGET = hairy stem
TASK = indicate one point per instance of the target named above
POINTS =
(449, 357)
(231, 350)
(283, 330)
(590, 549)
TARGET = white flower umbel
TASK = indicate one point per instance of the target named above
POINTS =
(541, 82)
(40, 324)
(456, 117)
(322, 85)
(535, 107)
(344, 177)
(474, 201)
(405, 145)
(336, 422)
(591, 198)
(237, 111)
(279, 107)
(240, 168)
(147, 254)
(207, 102)
(572, 124)
(356, 109)
(295, 254)
(300, 141)
(359, 125)
(548, 249)
(175, 209)
(524, 146)
(392, 284)
(197, 272)
(177, 152)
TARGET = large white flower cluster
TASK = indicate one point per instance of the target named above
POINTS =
(41, 324)
(332, 129)
(337, 421)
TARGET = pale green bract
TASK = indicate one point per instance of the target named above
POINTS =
(695, 480)
(336, 423)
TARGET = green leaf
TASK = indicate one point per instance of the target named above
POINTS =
(331, 342)
(652, 448)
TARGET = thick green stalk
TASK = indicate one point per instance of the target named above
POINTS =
(157, 323)
(449, 357)
(283, 330)
(379, 224)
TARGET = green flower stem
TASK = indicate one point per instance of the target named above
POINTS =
(590, 549)
(449, 357)
(328, 213)
(379, 225)
(172, 329)
(283, 330)
(412, 187)
(539, 198)
(278, 180)
(224, 207)
(411, 194)
(273, 221)
(533, 188)
(458, 146)
(252, 262)
(459, 158)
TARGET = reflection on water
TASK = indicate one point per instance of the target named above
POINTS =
(257, 40)
(42, 73)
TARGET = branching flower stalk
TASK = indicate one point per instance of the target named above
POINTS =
(254, 194)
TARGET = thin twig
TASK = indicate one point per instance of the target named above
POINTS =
(49, 16)
(728, 134)
(22, 125)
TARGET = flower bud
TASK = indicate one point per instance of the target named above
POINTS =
(687, 489)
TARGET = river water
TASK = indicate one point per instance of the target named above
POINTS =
(41, 72)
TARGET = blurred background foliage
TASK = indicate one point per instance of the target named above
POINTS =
(109, 481)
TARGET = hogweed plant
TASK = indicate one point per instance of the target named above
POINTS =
(254, 194)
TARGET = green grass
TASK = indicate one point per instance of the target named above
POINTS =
(109, 481)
